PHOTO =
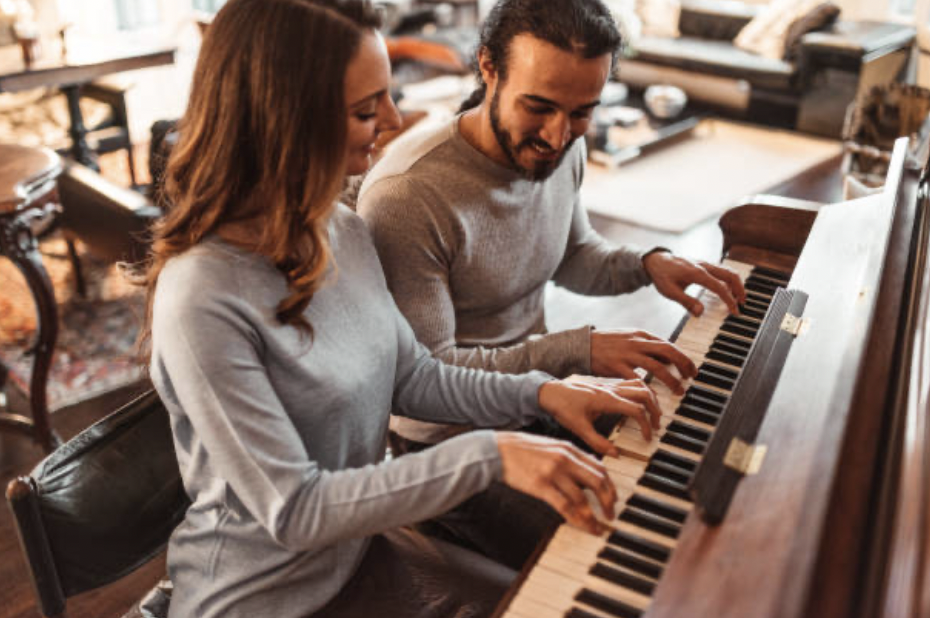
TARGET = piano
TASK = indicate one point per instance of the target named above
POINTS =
(831, 513)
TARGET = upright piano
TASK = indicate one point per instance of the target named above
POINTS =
(829, 509)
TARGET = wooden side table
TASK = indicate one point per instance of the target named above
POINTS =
(28, 192)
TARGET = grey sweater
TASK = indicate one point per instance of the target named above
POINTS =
(468, 246)
(281, 442)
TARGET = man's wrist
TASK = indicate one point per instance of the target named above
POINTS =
(653, 251)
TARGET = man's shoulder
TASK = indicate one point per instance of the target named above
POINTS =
(411, 155)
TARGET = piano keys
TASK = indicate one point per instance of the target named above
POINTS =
(619, 573)
(809, 535)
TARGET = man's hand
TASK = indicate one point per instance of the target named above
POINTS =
(618, 353)
(672, 275)
(576, 405)
(558, 473)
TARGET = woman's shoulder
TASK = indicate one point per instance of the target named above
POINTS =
(207, 275)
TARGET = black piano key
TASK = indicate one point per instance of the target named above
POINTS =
(756, 305)
(651, 505)
(696, 414)
(623, 579)
(744, 322)
(671, 473)
(757, 299)
(772, 273)
(628, 560)
(746, 330)
(671, 459)
(689, 430)
(764, 276)
(752, 312)
(738, 330)
(665, 486)
(607, 605)
(757, 285)
(639, 545)
(706, 377)
(723, 357)
(730, 349)
(724, 372)
(577, 612)
(648, 521)
(684, 443)
(741, 344)
(695, 400)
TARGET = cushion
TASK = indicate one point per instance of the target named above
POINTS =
(766, 33)
(820, 17)
(659, 17)
(715, 58)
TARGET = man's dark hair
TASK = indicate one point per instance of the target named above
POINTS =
(584, 27)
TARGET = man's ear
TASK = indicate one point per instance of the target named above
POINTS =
(487, 68)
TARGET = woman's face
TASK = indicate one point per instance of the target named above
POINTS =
(370, 108)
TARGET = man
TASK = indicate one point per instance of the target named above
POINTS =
(473, 218)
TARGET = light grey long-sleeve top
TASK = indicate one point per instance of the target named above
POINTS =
(468, 246)
(281, 442)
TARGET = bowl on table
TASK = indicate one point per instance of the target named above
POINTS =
(664, 101)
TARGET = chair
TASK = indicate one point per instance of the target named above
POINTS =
(112, 133)
(111, 221)
(100, 506)
(28, 202)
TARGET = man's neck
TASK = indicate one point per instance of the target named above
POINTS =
(475, 128)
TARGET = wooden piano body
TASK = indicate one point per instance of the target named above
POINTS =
(836, 522)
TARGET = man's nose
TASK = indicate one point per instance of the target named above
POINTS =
(557, 131)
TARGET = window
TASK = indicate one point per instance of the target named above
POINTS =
(134, 14)
(903, 7)
(208, 6)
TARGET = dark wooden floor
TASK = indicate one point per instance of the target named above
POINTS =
(644, 309)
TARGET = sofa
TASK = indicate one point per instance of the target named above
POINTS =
(809, 93)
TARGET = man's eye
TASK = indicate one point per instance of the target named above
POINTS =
(539, 110)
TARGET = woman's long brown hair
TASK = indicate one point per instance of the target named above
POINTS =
(263, 140)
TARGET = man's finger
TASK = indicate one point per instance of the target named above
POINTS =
(663, 374)
(667, 352)
(732, 279)
(596, 441)
(691, 304)
(719, 288)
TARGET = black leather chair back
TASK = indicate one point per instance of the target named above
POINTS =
(101, 505)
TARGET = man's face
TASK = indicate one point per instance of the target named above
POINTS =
(544, 104)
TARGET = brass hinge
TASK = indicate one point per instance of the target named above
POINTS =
(744, 458)
(794, 325)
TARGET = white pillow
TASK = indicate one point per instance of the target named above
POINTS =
(628, 22)
(766, 33)
(659, 17)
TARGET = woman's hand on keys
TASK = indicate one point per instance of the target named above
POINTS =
(558, 473)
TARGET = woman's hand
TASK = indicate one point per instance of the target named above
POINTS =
(557, 472)
(577, 404)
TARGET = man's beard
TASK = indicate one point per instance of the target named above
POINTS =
(543, 169)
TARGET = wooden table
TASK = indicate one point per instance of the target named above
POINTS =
(28, 191)
(84, 62)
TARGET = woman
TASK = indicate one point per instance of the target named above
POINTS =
(278, 351)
